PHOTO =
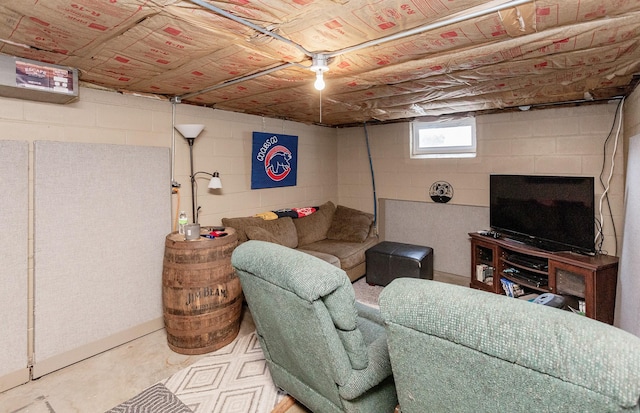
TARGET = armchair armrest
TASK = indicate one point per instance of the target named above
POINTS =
(369, 313)
(378, 369)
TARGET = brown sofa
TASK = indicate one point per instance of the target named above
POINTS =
(338, 235)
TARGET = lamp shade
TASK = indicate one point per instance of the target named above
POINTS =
(190, 130)
(215, 182)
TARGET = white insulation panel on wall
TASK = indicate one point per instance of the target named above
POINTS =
(443, 227)
(14, 215)
(102, 213)
(628, 304)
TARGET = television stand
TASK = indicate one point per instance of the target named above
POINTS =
(590, 280)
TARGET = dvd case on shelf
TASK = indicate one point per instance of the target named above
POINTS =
(511, 289)
(484, 273)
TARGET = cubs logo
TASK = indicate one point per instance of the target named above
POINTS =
(275, 160)
(277, 163)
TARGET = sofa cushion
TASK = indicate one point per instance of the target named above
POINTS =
(350, 254)
(350, 224)
(331, 259)
(314, 227)
(261, 234)
(282, 228)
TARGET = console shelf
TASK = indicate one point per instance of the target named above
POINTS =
(590, 279)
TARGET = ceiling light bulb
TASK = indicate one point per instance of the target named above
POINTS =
(319, 83)
(319, 65)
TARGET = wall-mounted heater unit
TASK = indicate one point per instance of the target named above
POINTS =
(32, 80)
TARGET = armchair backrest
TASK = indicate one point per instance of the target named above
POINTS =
(305, 316)
(457, 349)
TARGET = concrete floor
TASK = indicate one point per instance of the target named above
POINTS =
(107, 379)
(103, 381)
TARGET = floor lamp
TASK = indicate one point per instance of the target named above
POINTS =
(190, 132)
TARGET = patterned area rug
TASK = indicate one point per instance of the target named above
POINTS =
(156, 398)
(234, 379)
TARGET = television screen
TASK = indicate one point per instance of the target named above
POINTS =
(551, 212)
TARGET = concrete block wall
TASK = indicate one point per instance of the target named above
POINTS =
(554, 141)
(224, 145)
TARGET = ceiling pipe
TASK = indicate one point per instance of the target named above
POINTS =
(431, 26)
(565, 102)
(173, 141)
(247, 23)
(237, 80)
(328, 55)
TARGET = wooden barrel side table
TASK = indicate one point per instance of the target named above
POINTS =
(201, 294)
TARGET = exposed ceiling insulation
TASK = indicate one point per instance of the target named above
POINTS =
(388, 59)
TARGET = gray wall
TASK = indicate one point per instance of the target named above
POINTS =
(14, 202)
(443, 227)
(101, 214)
(628, 305)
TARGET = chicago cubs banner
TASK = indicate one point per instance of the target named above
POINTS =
(274, 160)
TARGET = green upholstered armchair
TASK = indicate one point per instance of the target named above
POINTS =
(322, 348)
(454, 349)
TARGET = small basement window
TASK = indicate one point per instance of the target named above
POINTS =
(449, 139)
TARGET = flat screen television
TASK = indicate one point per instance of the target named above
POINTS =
(554, 213)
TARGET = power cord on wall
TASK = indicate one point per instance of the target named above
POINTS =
(373, 181)
(605, 194)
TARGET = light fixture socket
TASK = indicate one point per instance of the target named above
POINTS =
(319, 63)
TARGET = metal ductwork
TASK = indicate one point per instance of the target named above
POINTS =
(42, 82)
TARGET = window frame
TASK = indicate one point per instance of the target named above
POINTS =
(466, 151)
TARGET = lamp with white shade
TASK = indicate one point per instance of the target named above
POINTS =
(191, 131)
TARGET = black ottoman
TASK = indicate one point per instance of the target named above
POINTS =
(387, 261)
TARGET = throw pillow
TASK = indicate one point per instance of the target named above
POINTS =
(350, 224)
(240, 224)
(261, 234)
(283, 229)
(314, 227)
